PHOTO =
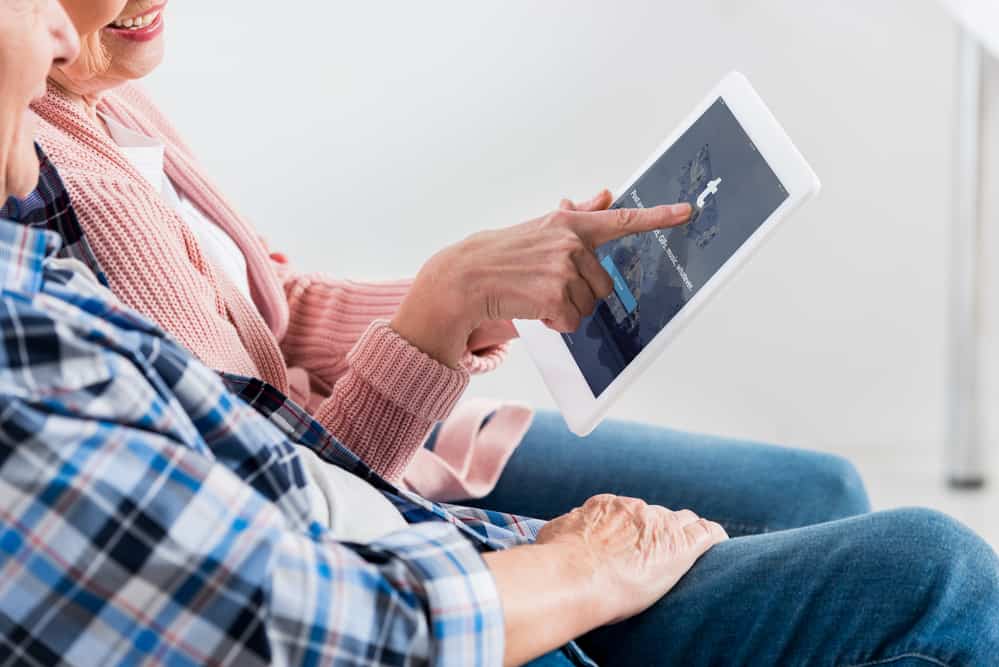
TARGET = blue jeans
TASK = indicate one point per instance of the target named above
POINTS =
(810, 578)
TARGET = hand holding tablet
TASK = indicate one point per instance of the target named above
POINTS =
(597, 292)
(737, 168)
(581, 281)
(545, 269)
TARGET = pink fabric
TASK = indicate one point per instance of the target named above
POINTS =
(456, 470)
(325, 342)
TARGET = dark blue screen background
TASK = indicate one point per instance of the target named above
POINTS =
(663, 271)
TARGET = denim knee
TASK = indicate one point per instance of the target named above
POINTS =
(962, 556)
(947, 576)
(836, 488)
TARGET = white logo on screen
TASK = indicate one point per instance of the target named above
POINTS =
(711, 189)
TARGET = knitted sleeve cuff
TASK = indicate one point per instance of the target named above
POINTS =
(393, 393)
(405, 375)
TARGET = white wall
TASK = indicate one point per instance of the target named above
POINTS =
(362, 136)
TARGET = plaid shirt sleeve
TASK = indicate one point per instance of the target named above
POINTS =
(148, 515)
(119, 546)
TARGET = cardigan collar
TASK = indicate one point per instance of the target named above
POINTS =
(60, 109)
(259, 324)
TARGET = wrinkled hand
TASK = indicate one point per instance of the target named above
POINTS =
(637, 552)
(545, 269)
(497, 332)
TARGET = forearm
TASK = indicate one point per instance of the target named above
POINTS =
(328, 316)
(548, 598)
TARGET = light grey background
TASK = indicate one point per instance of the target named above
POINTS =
(360, 137)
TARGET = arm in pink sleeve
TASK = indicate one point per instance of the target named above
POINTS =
(327, 317)
(388, 400)
(382, 394)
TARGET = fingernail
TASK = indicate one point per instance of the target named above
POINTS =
(681, 210)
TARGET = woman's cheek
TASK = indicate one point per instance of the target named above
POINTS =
(90, 16)
(93, 61)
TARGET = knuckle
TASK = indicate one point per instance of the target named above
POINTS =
(625, 217)
(659, 513)
(567, 269)
(631, 503)
(569, 244)
(559, 217)
(686, 516)
(573, 243)
(704, 528)
(599, 499)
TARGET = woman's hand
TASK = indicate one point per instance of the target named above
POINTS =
(490, 334)
(635, 552)
(545, 269)
(496, 332)
(604, 562)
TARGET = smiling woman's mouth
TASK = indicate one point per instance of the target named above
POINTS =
(141, 28)
(136, 22)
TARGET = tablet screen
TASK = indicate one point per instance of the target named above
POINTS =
(717, 169)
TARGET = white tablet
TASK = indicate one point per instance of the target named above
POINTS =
(732, 161)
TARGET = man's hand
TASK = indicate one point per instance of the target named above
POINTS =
(601, 563)
(637, 552)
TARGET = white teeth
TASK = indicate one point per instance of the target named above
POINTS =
(137, 22)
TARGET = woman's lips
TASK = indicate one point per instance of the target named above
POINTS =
(153, 20)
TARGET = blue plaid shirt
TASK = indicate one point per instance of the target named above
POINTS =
(49, 207)
(155, 512)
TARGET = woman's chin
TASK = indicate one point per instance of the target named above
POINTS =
(134, 60)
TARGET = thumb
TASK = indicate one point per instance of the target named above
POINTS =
(598, 202)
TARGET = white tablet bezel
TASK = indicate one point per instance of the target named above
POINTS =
(581, 410)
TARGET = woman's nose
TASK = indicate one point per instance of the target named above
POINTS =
(65, 39)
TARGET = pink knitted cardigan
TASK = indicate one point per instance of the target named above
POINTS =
(325, 342)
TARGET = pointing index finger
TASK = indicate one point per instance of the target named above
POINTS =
(599, 227)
